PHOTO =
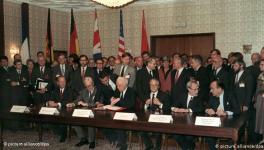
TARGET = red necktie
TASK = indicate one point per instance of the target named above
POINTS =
(83, 72)
(176, 76)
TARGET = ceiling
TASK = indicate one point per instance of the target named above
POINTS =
(65, 5)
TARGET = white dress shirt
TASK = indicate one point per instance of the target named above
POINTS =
(221, 104)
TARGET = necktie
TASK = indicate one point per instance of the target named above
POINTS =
(121, 96)
(236, 80)
(41, 71)
(214, 71)
(83, 72)
(61, 93)
(19, 74)
(150, 72)
(152, 99)
(122, 71)
(62, 70)
(176, 76)
(189, 102)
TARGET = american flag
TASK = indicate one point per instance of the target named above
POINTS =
(96, 40)
(121, 47)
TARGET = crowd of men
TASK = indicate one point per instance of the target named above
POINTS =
(179, 83)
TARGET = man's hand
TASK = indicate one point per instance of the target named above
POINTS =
(52, 104)
(180, 110)
(210, 112)
(156, 102)
(221, 112)
(244, 108)
(13, 83)
(69, 105)
(148, 102)
(81, 103)
(98, 105)
(41, 91)
(114, 100)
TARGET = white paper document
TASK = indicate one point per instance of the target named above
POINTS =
(86, 113)
(208, 121)
(48, 111)
(125, 116)
(160, 118)
(19, 109)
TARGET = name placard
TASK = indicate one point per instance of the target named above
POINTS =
(19, 109)
(160, 118)
(48, 111)
(125, 116)
(86, 113)
(208, 121)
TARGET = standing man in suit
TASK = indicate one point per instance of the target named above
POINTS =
(219, 72)
(155, 100)
(125, 70)
(98, 69)
(41, 72)
(79, 74)
(242, 85)
(215, 53)
(200, 74)
(19, 84)
(62, 69)
(4, 84)
(138, 62)
(111, 65)
(144, 75)
(189, 102)
(221, 103)
(179, 77)
(87, 98)
(123, 97)
(61, 97)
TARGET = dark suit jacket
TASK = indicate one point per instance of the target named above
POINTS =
(230, 102)
(202, 76)
(46, 77)
(223, 75)
(129, 99)
(142, 81)
(57, 71)
(66, 97)
(76, 82)
(254, 71)
(96, 75)
(243, 90)
(195, 104)
(180, 86)
(164, 99)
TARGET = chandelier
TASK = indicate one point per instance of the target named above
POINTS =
(113, 3)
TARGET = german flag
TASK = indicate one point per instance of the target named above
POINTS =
(74, 44)
(49, 43)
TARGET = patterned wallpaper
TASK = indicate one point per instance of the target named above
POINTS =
(235, 22)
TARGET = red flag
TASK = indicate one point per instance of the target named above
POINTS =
(49, 43)
(96, 40)
(74, 43)
(144, 38)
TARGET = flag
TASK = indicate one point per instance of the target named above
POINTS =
(96, 40)
(49, 43)
(144, 38)
(74, 43)
(121, 46)
(25, 52)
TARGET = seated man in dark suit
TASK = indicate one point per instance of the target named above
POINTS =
(123, 97)
(156, 100)
(221, 103)
(61, 97)
(188, 102)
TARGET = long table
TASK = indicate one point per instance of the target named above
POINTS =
(183, 123)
